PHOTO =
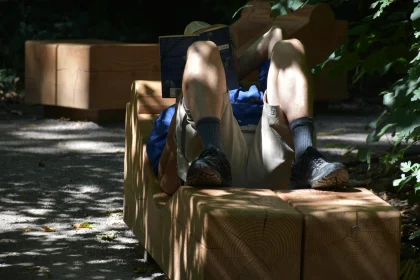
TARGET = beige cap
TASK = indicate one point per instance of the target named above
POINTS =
(197, 27)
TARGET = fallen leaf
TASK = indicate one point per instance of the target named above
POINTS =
(334, 132)
(114, 214)
(108, 236)
(118, 151)
(49, 229)
(83, 225)
(26, 229)
(35, 267)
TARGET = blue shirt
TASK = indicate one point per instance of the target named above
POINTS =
(247, 108)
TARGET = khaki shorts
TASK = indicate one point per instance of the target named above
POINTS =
(260, 156)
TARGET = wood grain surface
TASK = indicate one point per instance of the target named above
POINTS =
(347, 234)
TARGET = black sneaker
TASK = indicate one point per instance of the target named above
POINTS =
(313, 170)
(210, 169)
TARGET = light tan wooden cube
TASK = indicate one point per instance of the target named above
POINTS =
(347, 234)
(86, 78)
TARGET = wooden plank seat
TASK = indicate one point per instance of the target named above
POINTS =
(347, 234)
(251, 234)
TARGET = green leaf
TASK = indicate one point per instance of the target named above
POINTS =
(415, 234)
(364, 155)
(417, 188)
(385, 129)
(405, 166)
(416, 94)
(415, 14)
(397, 182)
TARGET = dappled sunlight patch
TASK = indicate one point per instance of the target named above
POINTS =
(78, 189)
(38, 211)
(91, 146)
(102, 261)
(59, 264)
(119, 247)
(11, 201)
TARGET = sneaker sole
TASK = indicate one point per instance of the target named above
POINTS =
(337, 178)
(202, 175)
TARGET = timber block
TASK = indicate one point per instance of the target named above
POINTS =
(314, 25)
(90, 75)
(347, 234)
(200, 233)
(251, 233)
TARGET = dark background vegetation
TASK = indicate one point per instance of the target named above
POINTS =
(131, 21)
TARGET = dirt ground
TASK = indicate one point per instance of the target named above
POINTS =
(61, 194)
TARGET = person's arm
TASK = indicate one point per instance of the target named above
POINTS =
(168, 168)
(250, 59)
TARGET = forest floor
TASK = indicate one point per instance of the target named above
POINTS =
(61, 191)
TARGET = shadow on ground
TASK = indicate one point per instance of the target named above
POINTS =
(58, 173)
(55, 174)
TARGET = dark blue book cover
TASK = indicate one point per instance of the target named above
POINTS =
(173, 51)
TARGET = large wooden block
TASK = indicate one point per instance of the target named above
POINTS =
(99, 76)
(314, 25)
(204, 234)
(87, 74)
(40, 72)
(248, 234)
(347, 234)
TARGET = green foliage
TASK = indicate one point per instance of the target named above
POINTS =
(385, 44)
(413, 172)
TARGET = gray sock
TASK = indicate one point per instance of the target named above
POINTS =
(209, 130)
(302, 130)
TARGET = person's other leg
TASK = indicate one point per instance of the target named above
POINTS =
(205, 114)
(289, 88)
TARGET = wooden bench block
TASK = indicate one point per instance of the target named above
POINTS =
(204, 234)
(249, 234)
(347, 234)
(89, 75)
(314, 25)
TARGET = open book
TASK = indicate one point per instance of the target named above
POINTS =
(173, 52)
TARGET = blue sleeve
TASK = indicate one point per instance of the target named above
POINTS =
(157, 139)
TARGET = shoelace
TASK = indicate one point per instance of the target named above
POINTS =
(216, 159)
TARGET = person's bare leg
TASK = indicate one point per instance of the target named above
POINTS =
(289, 82)
(203, 87)
(204, 81)
(289, 86)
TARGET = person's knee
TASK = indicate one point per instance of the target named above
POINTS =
(288, 52)
(203, 50)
